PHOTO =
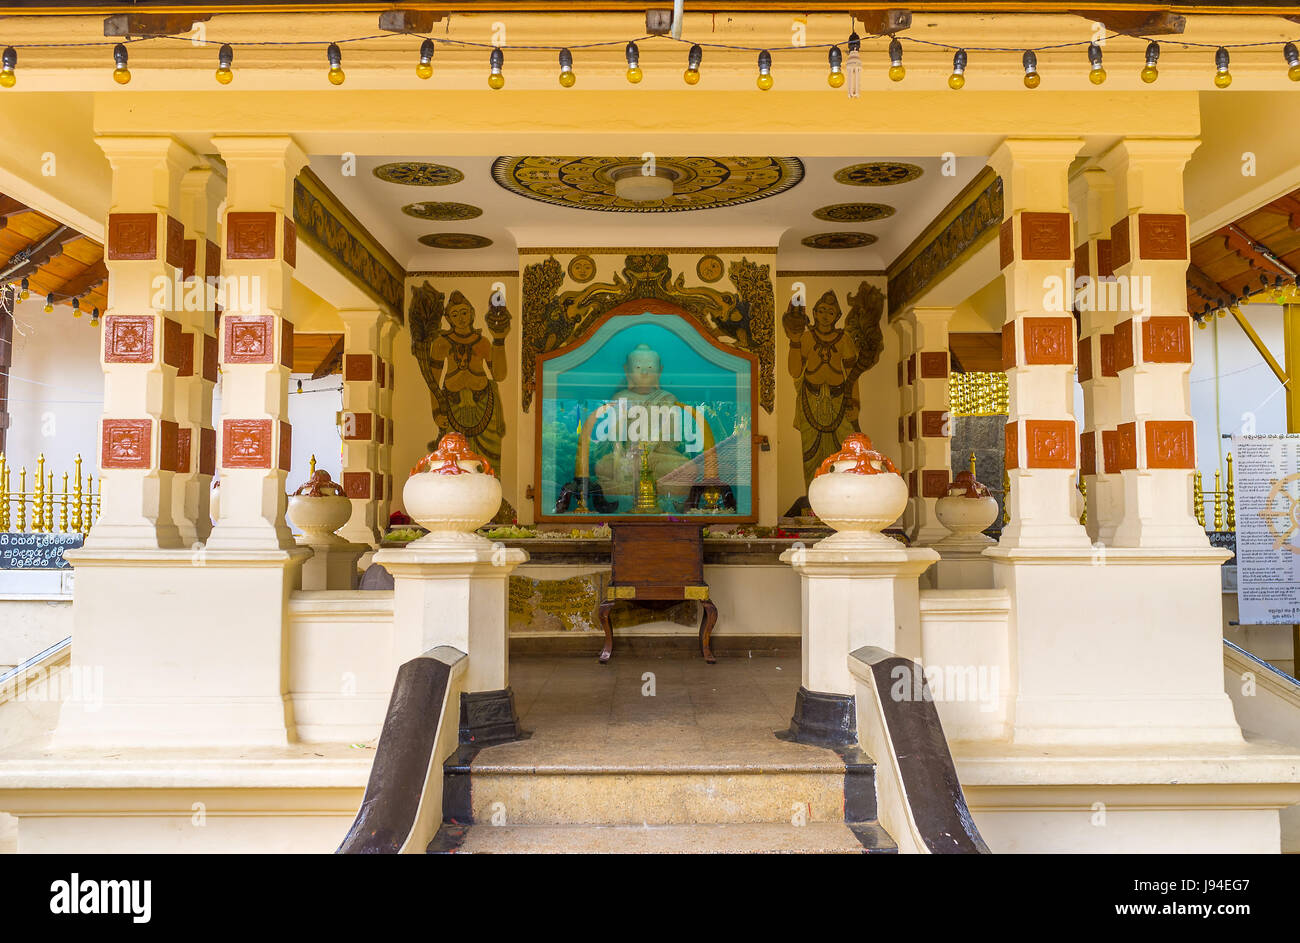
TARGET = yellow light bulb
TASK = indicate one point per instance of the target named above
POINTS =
(424, 70)
(336, 76)
(49, 308)
(121, 76)
(1292, 73)
(1222, 79)
(1149, 74)
(835, 79)
(25, 295)
(896, 73)
(76, 312)
(765, 81)
(1032, 80)
(634, 74)
(1097, 76)
(496, 80)
(225, 76)
(567, 79)
(7, 79)
(691, 76)
(956, 80)
(1202, 324)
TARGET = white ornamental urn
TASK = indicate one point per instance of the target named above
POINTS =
(452, 492)
(318, 508)
(966, 510)
(859, 493)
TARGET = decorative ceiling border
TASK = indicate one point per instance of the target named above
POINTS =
(832, 273)
(327, 226)
(624, 250)
(504, 273)
(965, 225)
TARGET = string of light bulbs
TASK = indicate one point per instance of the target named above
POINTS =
(765, 80)
(22, 291)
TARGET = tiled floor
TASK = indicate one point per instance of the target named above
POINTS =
(653, 711)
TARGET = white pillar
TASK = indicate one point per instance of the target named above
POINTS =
(930, 419)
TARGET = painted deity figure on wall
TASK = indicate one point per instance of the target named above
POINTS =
(462, 366)
(823, 358)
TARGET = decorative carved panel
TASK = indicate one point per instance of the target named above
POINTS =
(1045, 236)
(175, 249)
(379, 430)
(1107, 358)
(189, 264)
(1085, 359)
(128, 338)
(1088, 453)
(1011, 456)
(1123, 345)
(934, 365)
(250, 235)
(1110, 450)
(1006, 244)
(210, 358)
(246, 443)
(173, 341)
(1105, 267)
(357, 426)
(1081, 260)
(899, 367)
(384, 372)
(934, 483)
(1049, 443)
(1126, 446)
(132, 237)
(183, 439)
(1167, 339)
(249, 338)
(1162, 236)
(911, 427)
(207, 451)
(934, 422)
(1049, 340)
(168, 443)
(211, 260)
(1008, 345)
(356, 484)
(1119, 244)
(286, 442)
(290, 242)
(125, 443)
(1170, 443)
(911, 484)
(358, 367)
(911, 369)
(185, 367)
(286, 343)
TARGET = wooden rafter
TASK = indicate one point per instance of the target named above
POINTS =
(1207, 288)
(1290, 206)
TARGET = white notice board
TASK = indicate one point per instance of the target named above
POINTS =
(1268, 528)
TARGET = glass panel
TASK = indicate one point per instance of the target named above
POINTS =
(646, 417)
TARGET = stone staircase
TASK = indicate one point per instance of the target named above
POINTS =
(695, 770)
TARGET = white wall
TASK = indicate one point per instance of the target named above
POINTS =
(56, 391)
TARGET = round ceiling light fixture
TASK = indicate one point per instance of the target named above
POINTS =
(636, 186)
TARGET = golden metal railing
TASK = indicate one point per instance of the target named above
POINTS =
(1224, 498)
(43, 510)
(977, 394)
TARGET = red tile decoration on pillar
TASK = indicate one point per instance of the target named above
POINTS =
(1049, 443)
(132, 237)
(1011, 455)
(1008, 345)
(174, 251)
(356, 485)
(286, 450)
(1126, 446)
(207, 451)
(249, 338)
(168, 442)
(934, 365)
(1110, 450)
(1120, 252)
(900, 373)
(210, 358)
(934, 483)
(246, 443)
(1170, 443)
(358, 367)
(183, 438)
(1167, 339)
(1107, 344)
(911, 484)
(1104, 267)
(901, 431)
(1081, 260)
(1162, 236)
(125, 443)
(128, 338)
(911, 427)
(1085, 359)
(1049, 340)
(1045, 236)
(173, 340)
(290, 242)
(1124, 345)
(1006, 244)
(379, 486)
(185, 368)
(190, 260)
(357, 426)
(379, 429)
(250, 235)
(1088, 453)
(934, 422)
(389, 492)
(384, 373)
(211, 260)
(911, 369)
(286, 343)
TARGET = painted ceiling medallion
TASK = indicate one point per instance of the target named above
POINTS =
(417, 174)
(698, 183)
(455, 240)
(877, 174)
(582, 268)
(839, 240)
(429, 209)
(854, 212)
(709, 268)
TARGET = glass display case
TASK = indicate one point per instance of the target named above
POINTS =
(646, 416)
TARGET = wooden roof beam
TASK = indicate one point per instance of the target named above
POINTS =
(332, 360)
(84, 283)
(1290, 206)
(408, 21)
(1207, 287)
(1137, 22)
(884, 22)
(151, 25)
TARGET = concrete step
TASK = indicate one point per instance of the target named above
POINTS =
(814, 838)
(827, 790)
